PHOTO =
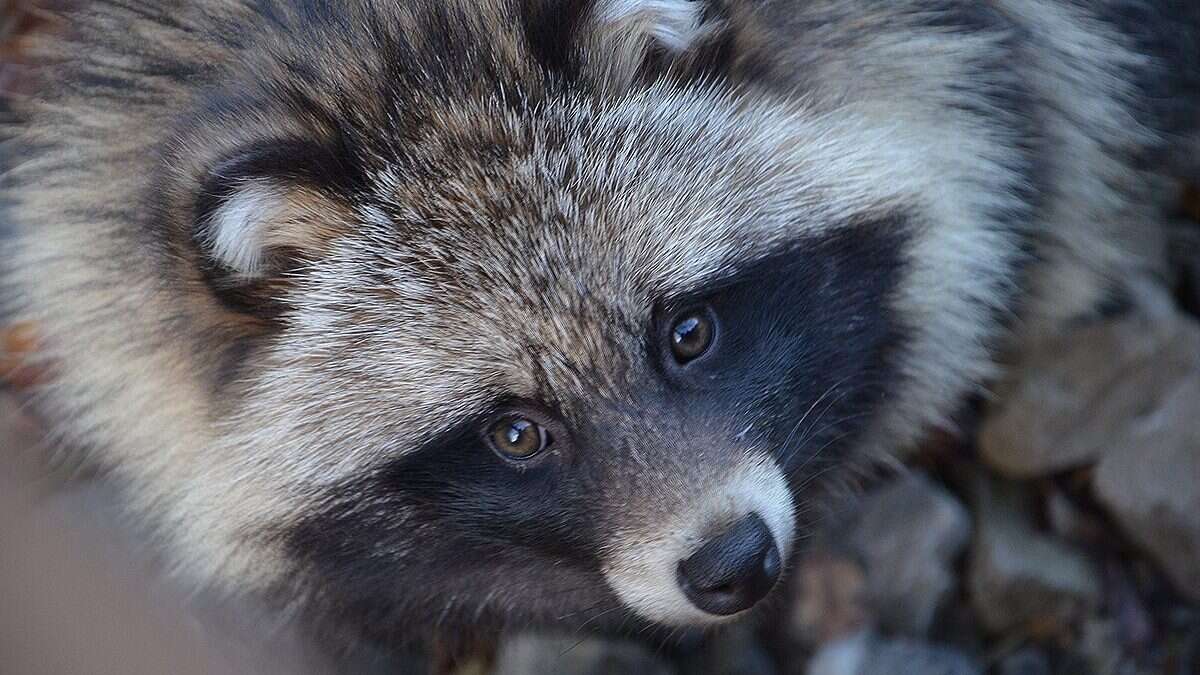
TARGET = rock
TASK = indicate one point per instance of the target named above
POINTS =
(527, 653)
(20, 434)
(471, 667)
(1018, 577)
(865, 654)
(1187, 656)
(1124, 394)
(1191, 202)
(733, 651)
(1071, 522)
(1027, 661)
(1071, 398)
(831, 599)
(956, 624)
(1185, 259)
(1128, 609)
(1128, 399)
(908, 535)
(1100, 647)
(19, 366)
(1150, 482)
(890, 565)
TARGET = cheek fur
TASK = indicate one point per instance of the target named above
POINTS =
(452, 530)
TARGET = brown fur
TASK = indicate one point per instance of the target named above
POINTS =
(519, 213)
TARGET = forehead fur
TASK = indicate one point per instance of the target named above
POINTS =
(513, 236)
(531, 266)
(511, 226)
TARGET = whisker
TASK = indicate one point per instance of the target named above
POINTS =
(814, 405)
(809, 435)
(819, 432)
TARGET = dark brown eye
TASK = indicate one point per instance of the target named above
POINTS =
(518, 437)
(692, 335)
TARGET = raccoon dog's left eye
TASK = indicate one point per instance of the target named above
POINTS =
(518, 438)
(692, 335)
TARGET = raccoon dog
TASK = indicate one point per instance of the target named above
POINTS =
(420, 314)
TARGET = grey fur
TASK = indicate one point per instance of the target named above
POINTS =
(519, 208)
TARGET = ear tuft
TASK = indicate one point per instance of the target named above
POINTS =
(670, 24)
(259, 216)
(261, 206)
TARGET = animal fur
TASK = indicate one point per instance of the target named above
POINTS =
(288, 258)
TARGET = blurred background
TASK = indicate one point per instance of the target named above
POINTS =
(1058, 533)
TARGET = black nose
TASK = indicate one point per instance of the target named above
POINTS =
(733, 571)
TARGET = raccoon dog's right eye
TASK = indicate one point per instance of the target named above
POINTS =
(518, 438)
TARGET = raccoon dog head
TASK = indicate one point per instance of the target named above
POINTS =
(534, 311)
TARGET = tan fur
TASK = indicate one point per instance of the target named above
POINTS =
(678, 183)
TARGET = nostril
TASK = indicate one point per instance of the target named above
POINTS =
(734, 570)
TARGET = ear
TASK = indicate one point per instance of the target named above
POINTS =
(614, 40)
(641, 24)
(265, 205)
(260, 219)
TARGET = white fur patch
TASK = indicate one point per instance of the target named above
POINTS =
(641, 568)
(671, 23)
(237, 232)
(264, 214)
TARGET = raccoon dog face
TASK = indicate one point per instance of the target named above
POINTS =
(522, 311)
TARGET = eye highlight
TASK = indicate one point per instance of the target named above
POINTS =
(518, 437)
(692, 335)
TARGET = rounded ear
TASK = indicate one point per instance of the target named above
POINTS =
(612, 39)
(265, 204)
(644, 24)
(630, 39)
(260, 218)
(627, 34)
